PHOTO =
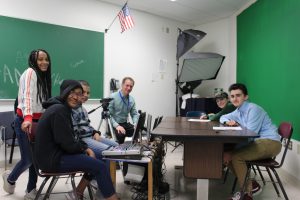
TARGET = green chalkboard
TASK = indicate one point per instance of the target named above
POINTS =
(75, 54)
(268, 58)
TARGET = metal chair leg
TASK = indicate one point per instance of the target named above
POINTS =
(12, 147)
(280, 183)
(252, 167)
(5, 155)
(74, 186)
(90, 190)
(51, 186)
(261, 176)
(67, 179)
(38, 194)
(273, 181)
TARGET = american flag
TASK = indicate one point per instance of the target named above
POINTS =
(125, 18)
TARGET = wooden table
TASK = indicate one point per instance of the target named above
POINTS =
(203, 146)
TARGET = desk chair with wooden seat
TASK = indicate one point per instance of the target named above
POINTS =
(285, 130)
(53, 175)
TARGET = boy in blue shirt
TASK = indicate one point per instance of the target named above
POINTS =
(254, 118)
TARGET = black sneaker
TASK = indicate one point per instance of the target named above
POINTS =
(256, 188)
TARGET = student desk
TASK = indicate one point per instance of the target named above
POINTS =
(203, 146)
(145, 159)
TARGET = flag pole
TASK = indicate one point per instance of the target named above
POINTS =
(111, 24)
(107, 29)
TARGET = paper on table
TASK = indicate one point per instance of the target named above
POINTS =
(199, 120)
(222, 128)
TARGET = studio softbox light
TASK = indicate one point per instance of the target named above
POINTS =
(186, 40)
(200, 66)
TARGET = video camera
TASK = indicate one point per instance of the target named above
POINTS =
(105, 103)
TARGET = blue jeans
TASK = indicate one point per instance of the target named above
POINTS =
(25, 161)
(99, 146)
(95, 167)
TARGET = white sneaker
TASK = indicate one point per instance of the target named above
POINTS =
(30, 195)
(94, 183)
(7, 187)
(236, 196)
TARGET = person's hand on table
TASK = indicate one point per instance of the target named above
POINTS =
(231, 123)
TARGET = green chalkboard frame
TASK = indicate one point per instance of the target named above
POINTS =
(268, 58)
(75, 54)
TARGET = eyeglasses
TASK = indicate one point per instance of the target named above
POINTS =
(76, 94)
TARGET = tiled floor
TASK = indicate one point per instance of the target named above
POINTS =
(180, 188)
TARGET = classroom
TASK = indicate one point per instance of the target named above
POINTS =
(258, 41)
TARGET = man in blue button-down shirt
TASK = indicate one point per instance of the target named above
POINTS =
(120, 107)
(254, 118)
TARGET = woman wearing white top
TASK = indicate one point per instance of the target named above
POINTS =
(34, 88)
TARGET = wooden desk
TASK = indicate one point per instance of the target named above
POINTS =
(203, 146)
(143, 160)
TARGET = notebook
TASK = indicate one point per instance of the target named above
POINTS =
(129, 149)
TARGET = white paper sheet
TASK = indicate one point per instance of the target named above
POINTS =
(222, 128)
(199, 120)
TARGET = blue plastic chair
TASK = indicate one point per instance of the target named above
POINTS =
(194, 113)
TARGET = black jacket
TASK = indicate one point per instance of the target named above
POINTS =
(55, 135)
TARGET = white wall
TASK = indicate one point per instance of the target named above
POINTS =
(221, 39)
(292, 160)
(136, 52)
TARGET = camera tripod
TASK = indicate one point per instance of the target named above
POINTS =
(106, 117)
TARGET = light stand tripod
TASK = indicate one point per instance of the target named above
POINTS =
(185, 41)
(106, 117)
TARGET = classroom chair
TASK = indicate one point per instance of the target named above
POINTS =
(157, 121)
(8, 135)
(54, 176)
(285, 130)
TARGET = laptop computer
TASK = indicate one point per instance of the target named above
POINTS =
(129, 149)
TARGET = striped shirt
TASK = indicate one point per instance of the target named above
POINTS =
(29, 106)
